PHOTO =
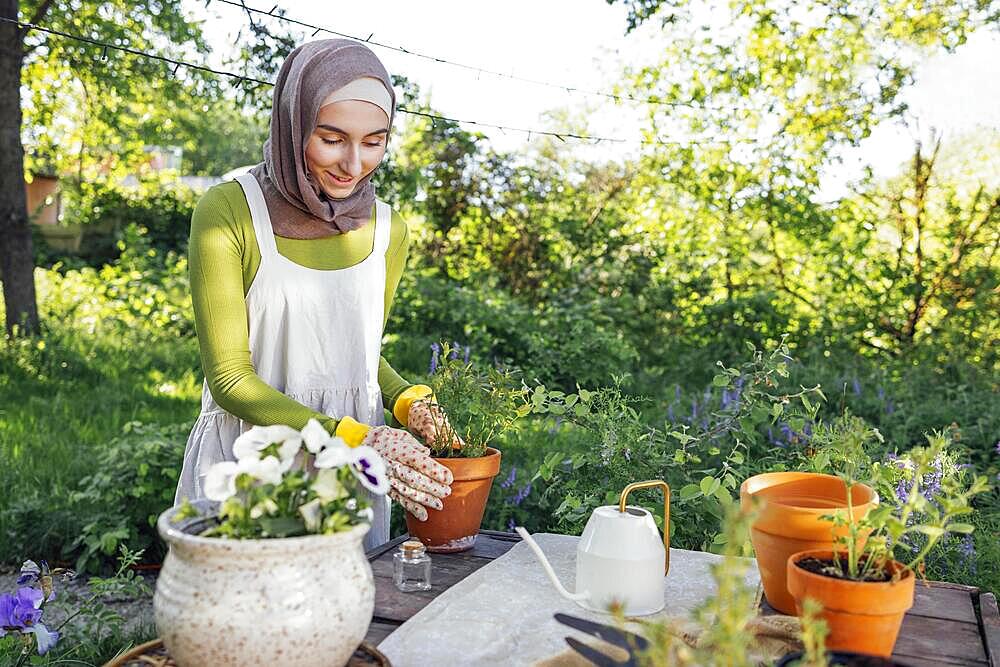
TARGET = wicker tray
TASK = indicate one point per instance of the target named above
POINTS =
(154, 654)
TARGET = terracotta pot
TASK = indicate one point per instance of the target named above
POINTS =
(792, 504)
(862, 616)
(455, 526)
(296, 601)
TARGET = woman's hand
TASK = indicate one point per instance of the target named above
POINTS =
(430, 423)
(415, 479)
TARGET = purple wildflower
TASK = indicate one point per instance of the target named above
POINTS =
(967, 549)
(708, 393)
(509, 482)
(468, 352)
(932, 480)
(20, 610)
(856, 386)
(902, 490)
(511, 525)
(890, 407)
(454, 351)
(435, 351)
(881, 393)
(521, 495)
(998, 447)
(30, 572)
(726, 399)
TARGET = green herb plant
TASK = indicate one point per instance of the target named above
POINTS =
(482, 403)
(927, 497)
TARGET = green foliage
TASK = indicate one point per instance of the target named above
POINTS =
(138, 473)
(703, 462)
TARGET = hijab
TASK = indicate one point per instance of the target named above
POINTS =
(312, 74)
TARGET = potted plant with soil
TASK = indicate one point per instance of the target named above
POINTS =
(270, 568)
(863, 589)
(481, 404)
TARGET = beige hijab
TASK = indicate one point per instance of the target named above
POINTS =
(298, 208)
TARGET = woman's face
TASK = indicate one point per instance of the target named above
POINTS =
(347, 144)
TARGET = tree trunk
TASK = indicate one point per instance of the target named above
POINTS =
(16, 255)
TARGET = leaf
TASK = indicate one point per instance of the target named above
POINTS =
(708, 485)
(930, 531)
(720, 380)
(965, 528)
(690, 491)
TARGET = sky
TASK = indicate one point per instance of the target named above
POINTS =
(581, 44)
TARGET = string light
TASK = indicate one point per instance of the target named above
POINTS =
(240, 79)
(479, 70)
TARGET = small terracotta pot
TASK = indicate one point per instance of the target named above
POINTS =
(455, 526)
(792, 504)
(863, 616)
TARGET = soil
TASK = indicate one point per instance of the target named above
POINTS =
(829, 568)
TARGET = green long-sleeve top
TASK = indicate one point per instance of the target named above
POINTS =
(223, 259)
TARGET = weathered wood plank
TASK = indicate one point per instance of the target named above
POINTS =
(447, 570)
(990, 617)
(937, 601)
(940, 639)
(379, 630)
(912, 661)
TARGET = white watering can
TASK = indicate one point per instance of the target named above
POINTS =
(620, 559)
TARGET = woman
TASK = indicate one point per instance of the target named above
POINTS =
(293, 272)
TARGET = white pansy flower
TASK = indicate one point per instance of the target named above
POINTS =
(220, 481)
(267, 469)
(312, 514)
(250, 444)
(327, 486)
(315, 436)
(369, 468)
(266, 507)
(334, 455)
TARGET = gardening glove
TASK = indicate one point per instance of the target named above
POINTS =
(428, 421)
(416, 480)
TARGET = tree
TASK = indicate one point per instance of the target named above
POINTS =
(117, 89)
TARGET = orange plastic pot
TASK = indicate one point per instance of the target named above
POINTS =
(862, 616)
(791, 508)
(454, 527)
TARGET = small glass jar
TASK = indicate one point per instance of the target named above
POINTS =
(411, 567)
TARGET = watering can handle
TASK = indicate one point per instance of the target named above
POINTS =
(666, 512)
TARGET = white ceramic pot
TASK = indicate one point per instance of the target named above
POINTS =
(297, 601)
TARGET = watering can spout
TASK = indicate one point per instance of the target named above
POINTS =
(576, 597)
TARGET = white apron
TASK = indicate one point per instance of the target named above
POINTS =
(315, 335)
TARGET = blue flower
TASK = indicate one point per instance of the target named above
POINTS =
(509, 482)
(521, 495)
(967, 549)
(435, 351)
(30, 572)
(21, 610)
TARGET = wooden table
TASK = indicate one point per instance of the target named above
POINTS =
(949, 624)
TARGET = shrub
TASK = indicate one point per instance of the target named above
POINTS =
(135, 481)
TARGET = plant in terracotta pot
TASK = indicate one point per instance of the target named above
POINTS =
(270, 569)
(863, 589)
(482, 404)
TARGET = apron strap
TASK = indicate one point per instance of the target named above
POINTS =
(259, 216)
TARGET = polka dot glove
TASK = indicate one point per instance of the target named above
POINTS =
(429, 422)
(416, 480)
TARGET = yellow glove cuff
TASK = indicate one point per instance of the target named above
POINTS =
(351, 431)
(401, 410)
